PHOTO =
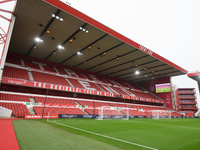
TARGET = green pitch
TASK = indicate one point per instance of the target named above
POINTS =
(163, 90)
(89, 134)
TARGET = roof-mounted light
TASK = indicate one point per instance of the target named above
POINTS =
(57, 17)
(60, 47)
(37, 39)
(83, 29)
(137, 72)
(79, 53)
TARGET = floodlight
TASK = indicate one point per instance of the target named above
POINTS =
(37, 39)
(137, 72)
(79, 53)
(60, 47)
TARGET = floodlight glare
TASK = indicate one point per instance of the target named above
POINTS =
(57, 17)
(79, 53)
(53, 15)
(137, 72)
(86, 31)
(37, 39)
(81, 28)
(60, 47)
(61, 19)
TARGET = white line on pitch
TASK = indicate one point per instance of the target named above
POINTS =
(104, 136)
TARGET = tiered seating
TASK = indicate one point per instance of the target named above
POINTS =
(49, 68)
(58, 110)
(30, 64)
(18, 110)
(48, 78)
(76, 83)
(93, 103)
(93, 77)
(13, 60)
(55, 101)
(12, 97)
(70, 72)
(15, 73)
(108, 89)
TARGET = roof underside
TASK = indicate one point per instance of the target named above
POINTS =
(102, 53)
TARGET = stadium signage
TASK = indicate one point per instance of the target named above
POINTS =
(146, 50)
(66, 2)
(40, 117)
(70, 89)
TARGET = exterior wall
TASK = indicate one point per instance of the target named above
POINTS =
(186, 100)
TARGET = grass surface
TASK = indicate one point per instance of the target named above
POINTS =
(36, 135)
(173, 134)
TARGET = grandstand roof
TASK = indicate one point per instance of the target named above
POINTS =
(195, 76)
(104, 51)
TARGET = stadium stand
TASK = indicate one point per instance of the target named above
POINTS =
(58, 110)
(49, 78)
(18, 110)
(64, 102)
(13, 72)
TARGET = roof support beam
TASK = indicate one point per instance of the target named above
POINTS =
(43, 32)
(99, 54)
(142, 74)
(121, 64)
(76, 32)
(131, 68)
(111, 59)
(84, 48)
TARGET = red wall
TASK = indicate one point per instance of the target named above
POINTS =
(150, 86)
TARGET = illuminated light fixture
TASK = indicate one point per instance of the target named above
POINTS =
(60, 47)
(117, 58)
(35, 47)
(85, 62)
(57, 17)
(89, 48)
(104, 54)
(145, 68)
(152, 71)
(136, 65)
(137, 72)
(146, 75)
(54, 53)
(79, 53)
(48, 32)
(70, 41)
(83, 29)
(37, 39)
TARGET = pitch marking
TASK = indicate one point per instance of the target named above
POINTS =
(104, 136)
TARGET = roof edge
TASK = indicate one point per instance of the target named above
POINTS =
(91, 21)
